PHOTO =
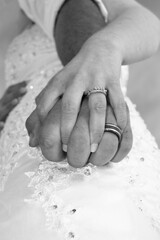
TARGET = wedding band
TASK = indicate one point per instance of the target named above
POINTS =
(96, 90)
(109, 127)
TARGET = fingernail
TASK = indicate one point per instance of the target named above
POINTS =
(64, 148)
(23, 90)
(94, 147)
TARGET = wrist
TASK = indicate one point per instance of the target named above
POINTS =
(107, 46)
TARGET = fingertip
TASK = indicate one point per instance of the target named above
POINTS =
(94, 147)
(64, 147)
(33, 141)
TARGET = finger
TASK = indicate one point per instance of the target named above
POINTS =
(79, 142)
(17, 86)
(108, 145)
(5, 110)
(97, 106)
(70, 108)
(49, 96)
(13, 97)
(49, 137)
(118, 105)
(15, 93)
(33, 126)
(126, 142)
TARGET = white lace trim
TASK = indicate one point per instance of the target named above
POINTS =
(140, 170)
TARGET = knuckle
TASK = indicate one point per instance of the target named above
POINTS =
(68, 107)
(99, 107)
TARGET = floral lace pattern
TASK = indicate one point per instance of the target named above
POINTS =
(47, 181)
(139, 171)
(32, 45)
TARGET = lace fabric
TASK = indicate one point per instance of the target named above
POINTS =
(138, 175)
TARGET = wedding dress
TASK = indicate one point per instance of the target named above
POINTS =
(42, 200)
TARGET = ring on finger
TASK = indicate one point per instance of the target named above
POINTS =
(112, 128)
(96, 90)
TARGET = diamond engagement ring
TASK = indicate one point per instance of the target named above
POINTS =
(109, 127)
(96, 90)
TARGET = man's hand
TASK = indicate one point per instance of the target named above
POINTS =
(10, 99)
(78, 152)
(72, 123)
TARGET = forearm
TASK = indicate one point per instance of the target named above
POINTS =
(12, 22)
(135, 33)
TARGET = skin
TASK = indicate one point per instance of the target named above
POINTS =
(78, 154)
(10, 99)
(97, 62)
(48, 133)
(132, 34)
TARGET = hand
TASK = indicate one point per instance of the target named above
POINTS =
(94, 66)
(10, 99)
(78, 154)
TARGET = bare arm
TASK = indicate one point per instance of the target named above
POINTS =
(131, 34)
(132, 29)
(12, 23)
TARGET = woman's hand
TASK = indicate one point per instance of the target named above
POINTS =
(10, 99)
(94, 66)
(78, 154)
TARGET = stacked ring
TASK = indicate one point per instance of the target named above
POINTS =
(109, 127)
(96, 90)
